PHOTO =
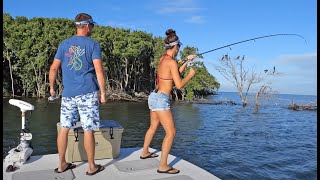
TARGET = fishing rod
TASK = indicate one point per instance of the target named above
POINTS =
(252, 39)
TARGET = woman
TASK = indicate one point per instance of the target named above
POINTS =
(159, 100)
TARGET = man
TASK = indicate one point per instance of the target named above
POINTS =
(82, 77)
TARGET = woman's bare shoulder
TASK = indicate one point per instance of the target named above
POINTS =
(172, 62)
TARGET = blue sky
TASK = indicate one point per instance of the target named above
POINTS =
(208, 24)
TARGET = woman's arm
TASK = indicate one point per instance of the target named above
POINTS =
(180, 83)
(189, 58)
(184, 65)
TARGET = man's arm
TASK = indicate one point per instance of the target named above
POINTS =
(101, 78)
(53, 74)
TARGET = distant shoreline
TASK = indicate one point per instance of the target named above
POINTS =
(253, 93)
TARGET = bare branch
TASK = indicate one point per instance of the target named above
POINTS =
(234, 71)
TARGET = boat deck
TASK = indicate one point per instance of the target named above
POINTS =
(128, 166)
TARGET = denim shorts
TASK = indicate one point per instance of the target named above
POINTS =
(85, 107)
(158, 101)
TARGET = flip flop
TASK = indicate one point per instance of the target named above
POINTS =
(69, 166)
(168, 171)
(100, 168)
(151, 155)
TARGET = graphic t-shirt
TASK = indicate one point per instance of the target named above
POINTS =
(78, 74)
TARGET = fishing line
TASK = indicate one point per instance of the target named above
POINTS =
(252, 39)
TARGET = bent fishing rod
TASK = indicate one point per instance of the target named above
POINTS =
(252, 39)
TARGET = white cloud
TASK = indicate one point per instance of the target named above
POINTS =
(300, 65)
(114, 8)
(195, 19)
(295, 74)
(301, 61)
(169, 10)
(121, 25)
(300, 74)
(175, 6)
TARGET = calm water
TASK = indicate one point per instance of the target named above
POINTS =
(229, 141)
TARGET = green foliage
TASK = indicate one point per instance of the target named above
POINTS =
(202, 83)
(187, 51)
(129, 57)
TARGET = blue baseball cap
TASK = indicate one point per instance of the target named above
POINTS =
(89, 21)
(83, 18)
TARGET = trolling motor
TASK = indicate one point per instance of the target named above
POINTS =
(19, 155)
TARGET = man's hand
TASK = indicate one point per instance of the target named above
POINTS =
(103, 98)
(52, 92)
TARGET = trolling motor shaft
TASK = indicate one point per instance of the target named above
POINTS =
(20, 154)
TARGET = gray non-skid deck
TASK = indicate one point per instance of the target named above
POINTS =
(126, 167)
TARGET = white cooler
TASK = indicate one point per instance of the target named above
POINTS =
(107, 138)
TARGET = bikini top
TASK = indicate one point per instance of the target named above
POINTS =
(158, 77)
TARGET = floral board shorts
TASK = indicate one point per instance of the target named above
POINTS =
(158, 101)
(85, 107)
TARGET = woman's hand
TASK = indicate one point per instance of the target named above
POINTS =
(192, 72)
(191, 57)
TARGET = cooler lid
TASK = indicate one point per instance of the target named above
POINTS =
(103, 124)
(110, 123)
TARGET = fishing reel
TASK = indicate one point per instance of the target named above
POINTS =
(52, 98)
(191, 64)
(56, 95)
(19, 155)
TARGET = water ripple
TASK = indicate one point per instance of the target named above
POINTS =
(231, 142)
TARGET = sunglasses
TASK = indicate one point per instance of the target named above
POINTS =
(179, 44)
(90, 26)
